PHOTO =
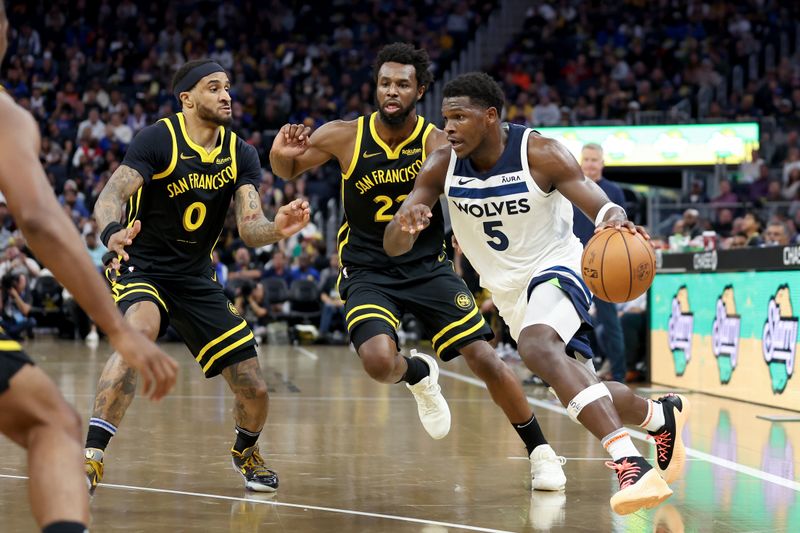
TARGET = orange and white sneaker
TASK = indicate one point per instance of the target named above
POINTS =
(639, 485)
(670, 452)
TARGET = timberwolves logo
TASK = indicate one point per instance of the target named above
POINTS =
(679, 330)
(464, 300)
(232, 309)
(779, 340)
(725, 335)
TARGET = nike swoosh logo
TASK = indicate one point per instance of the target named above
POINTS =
(365, 155)
(186, 156)
(464, 182)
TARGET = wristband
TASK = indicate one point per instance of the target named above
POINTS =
(110, 230)
(601, 215)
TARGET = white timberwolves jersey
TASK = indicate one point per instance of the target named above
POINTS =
(509, 228)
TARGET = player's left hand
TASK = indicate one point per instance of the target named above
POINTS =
(627, 224)
(292, 217)
(414, 219)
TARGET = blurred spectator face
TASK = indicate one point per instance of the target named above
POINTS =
(91, 241)
(304, 261)
(678, 228)
(242, 257)
(211, 98)
(774, 190)
(725, 216)
(776, 235)
(278, 260)
(397, 92)
(258, 293)
(592, 163)
(12, 252)
(94, 116)
(739, 240)
(724, 187)
(690, 217)
(750, 223)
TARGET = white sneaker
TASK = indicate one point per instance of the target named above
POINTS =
(431, 405)
(546, 471)
(92, 338)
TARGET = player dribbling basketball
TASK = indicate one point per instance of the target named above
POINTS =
(509, 191)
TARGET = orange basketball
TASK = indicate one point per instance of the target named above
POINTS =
(618, 265)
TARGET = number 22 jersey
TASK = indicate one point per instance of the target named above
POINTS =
(186, 194)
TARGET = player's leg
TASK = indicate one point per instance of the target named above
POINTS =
(115, 391)
(551, 318)
(372, 317)
(35, 415)
(505, 389)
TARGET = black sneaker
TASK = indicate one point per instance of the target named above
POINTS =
(640, 487)
(257, 477)
(670, 452)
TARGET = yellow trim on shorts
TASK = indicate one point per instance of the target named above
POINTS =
(354, 161)
(10, 346)
(219, 339)
(455, 324)
(373, 306)
(461, 335)
(370, 315)
(229, 348)
(118, 298)
(174, 160)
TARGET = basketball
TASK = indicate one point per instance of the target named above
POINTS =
(618, 265)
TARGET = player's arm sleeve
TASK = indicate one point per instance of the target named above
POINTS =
(248, 165)
(150, 152)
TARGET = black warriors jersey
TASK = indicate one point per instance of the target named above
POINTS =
(186, 194)
(373, 188)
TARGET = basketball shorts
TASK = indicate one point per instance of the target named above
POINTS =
(375, 301)
(197, 308)
(12, 359)
(556, 297)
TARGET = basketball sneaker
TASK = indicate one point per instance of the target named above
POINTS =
(670, 452)
(431, 405)
(546, 471)
(640, 486)
(250, 464)
(93, 464)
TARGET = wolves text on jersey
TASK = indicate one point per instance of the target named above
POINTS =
(492, 208)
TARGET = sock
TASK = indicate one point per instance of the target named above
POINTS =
(530, 433)
(655, 416)
(417, 370)
(65, 527)
(245, 439)
(100, 432)
(618, 444)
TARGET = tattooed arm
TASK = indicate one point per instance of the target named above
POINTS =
(123, 183)
(254, 228)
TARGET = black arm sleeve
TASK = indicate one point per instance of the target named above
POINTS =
(248, 165)
(150, 152)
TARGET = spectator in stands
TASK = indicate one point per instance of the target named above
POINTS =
(738, 240)
(751, 227)
(6, 224)
(332, 304)
(15, 299)
(777, 234)
(304, 269)
(277, 268)
(220, 269)
(545, 113)
(72, 200)
(724, 224)
(251, 305)
(749, 171)
(244, 269)
(16, 261)
(792, 187)
(792, 163)
(758, 189)
(697, 193)
(691, 223)
(726, 195)
(95, 127)
(95, 248)
(633, 317)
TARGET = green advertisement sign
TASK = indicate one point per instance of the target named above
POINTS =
(664, 145)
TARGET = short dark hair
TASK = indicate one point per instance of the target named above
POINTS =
(406, 54)
(479, 87)
(185, 68)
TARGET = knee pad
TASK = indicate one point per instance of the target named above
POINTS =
(585, 397)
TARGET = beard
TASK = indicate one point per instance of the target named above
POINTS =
(208, 115)
(398, 118)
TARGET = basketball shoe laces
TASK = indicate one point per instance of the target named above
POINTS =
(627, 473)
(427, 396)
(255, 465)
(663, 441)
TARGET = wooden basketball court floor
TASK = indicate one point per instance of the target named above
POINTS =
(353, 457)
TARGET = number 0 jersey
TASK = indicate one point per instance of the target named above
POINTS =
(509, 228)
(373, 188)
(186, 194)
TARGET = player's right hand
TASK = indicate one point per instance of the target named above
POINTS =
(414, 219)
(292, 140)
(124, 237)
(158, 370)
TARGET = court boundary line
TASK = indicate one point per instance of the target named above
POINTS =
(291, 505)
(719, 461)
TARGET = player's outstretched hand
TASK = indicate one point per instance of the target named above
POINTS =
(292, 217)
(158, 370)
(292, 140)
(124, 237)
(627, 224)
(414, 218)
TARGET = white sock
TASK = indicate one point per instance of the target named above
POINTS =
(655, 416)
(619, 444)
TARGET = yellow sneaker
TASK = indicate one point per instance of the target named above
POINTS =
(93, 463)
(639, 485)
(257, 477)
